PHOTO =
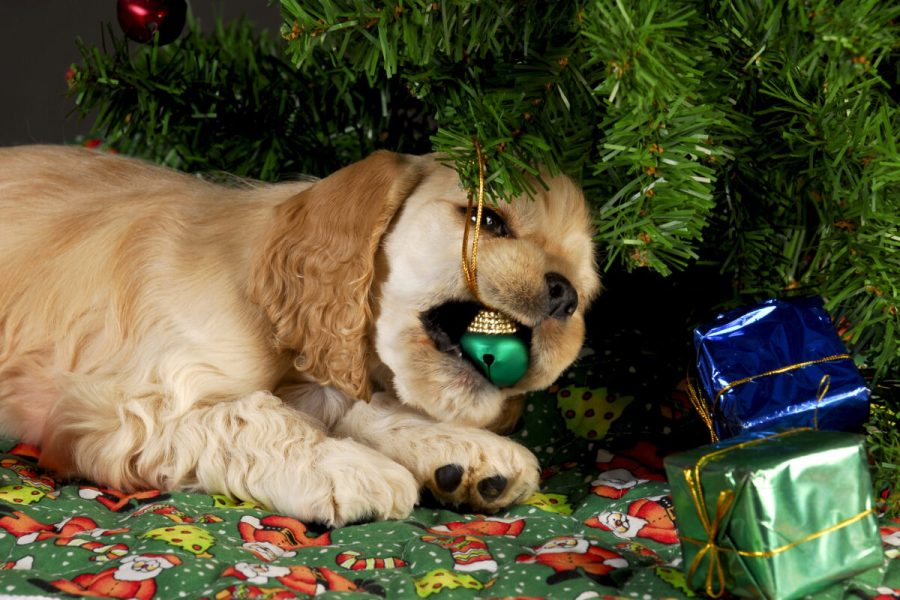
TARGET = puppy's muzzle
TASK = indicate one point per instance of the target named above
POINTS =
(563, 297)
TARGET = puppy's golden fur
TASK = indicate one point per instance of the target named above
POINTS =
(157, 330)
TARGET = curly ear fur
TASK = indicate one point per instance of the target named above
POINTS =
(314, 277)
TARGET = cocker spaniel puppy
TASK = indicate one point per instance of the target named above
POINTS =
(293, 344)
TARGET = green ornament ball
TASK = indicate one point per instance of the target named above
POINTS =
(503, 358)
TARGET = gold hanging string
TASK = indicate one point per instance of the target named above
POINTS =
(470, 265)
(709, 549)
(697, 399)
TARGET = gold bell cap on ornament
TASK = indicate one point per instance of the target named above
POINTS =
(492, 322)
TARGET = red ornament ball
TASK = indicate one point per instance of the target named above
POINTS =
(142, 19)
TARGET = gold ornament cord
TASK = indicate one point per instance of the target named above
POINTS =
(470, 265)
(696, 397)
(489, 320)
(723, 504)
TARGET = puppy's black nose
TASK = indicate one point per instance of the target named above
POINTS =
(563, 297)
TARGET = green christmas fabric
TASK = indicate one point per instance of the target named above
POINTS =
(602, 526)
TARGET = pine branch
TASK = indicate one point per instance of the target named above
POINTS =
(491, 71)
(757, 136)
(229, 101)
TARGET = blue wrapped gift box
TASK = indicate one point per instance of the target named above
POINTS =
(778, 365)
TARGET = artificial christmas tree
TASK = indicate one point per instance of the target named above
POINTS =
(748, 146)
(760, 137)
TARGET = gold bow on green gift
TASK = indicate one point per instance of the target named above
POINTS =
(754, 514)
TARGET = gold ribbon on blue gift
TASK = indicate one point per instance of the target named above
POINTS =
(700, 406)
(714, 585)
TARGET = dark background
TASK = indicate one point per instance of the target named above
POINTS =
(37, 45)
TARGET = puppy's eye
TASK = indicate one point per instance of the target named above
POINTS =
(490, 221)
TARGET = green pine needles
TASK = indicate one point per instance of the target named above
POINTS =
(226, 102)
(756, 136)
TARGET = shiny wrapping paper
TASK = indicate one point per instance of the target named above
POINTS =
(778, 365)
(774, 515)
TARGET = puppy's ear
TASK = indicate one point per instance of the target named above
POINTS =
(315, 275)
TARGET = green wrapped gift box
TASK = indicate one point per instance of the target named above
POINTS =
(775, 516)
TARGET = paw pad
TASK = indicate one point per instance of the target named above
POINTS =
(448, 477)
(490, 488)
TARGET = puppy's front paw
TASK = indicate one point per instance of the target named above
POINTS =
(365, 484)
(481, 469)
